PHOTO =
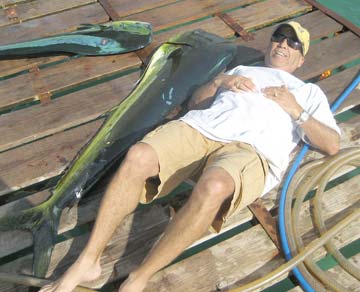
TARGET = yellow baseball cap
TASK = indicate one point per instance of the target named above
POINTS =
(301, 33)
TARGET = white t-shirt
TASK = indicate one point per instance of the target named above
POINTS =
(252, 118)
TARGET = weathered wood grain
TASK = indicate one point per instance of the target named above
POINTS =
(128, 7)
(49, 25)
(53, 24)
(296, 289)
(222, 265)
(29, 87)
(5, 3)
(211, 25)
(325, 55)
(333, 86)
(324, 26)
(184, 11)
(267, 12)
(55, 81)
(228, 264)
(79, 107)
(330, 53)
(12, 66)
(35, 9)
(344, 278)
(87, 210)
(260, 258)
(44, 158)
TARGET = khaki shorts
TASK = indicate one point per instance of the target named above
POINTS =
(184, 153)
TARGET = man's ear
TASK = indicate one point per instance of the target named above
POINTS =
(301, 61)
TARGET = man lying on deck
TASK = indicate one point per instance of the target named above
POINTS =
(236, 139)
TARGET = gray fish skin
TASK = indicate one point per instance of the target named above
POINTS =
(106, 39)
(175, 70)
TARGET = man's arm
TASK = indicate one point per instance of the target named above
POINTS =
(204, 96)
(319, 135)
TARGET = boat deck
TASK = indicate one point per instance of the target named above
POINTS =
(51, 106)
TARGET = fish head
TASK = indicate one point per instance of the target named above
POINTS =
(109, 46)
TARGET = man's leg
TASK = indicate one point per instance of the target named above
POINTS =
(120, 199)
(189, 224)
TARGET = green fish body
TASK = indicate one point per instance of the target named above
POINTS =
(105, 39)
(175, 70)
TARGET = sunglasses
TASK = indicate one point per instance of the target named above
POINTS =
(278, 38)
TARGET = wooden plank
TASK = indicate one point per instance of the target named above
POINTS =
(64, 146)
(340, 276)
(226, 261)
(227, 264)
(35, 9)
(185, 11)
(61, 114)
(296, 289)
(5, 3)
(12, 66)
(10, 139)
(29, 87)
(49, 25)
(334, 85)
(217, 26)
(44, 158)
(330, 54)
(267, 12)
(318, 24)
(211, 25)
(53, 24)
(68, 111)
(128, 7)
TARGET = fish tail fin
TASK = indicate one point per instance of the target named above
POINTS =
(42, 222)
(44, 241)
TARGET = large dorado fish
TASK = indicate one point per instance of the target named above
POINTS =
(175, 70)
(89, 39)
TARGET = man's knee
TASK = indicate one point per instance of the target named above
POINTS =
(143, 158)
(213, 188)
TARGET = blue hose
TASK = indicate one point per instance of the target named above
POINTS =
(282, 230)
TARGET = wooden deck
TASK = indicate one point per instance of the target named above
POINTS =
(50, 106)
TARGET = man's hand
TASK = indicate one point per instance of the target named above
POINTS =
(235, 83)
(283, 97)
(320, 135)
(204, 95)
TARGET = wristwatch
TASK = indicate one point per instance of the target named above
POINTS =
(304, 116)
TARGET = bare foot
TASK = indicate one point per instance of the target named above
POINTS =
(133, 284)
(80, 272)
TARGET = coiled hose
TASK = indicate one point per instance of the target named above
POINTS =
(288, 230)
(283, 198)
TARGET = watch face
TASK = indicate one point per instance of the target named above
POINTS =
(304, 116)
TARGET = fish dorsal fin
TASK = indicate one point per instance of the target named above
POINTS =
(89, 27)
(196, 38)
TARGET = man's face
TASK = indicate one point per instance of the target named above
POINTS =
(281, 56)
